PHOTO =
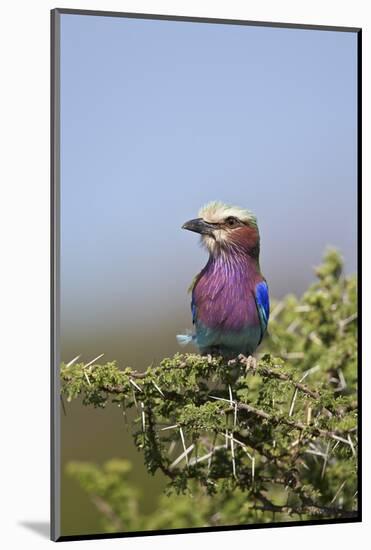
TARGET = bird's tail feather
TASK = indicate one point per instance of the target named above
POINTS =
(184, 339)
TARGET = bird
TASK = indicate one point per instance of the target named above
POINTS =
(230, 296)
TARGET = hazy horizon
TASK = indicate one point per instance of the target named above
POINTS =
(160, 117)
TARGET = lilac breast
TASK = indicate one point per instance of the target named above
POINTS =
(224, 293)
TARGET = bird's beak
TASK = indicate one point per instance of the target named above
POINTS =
(199, 226)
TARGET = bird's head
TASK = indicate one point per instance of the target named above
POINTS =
(225, 228)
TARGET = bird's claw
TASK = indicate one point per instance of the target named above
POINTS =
(249, 362)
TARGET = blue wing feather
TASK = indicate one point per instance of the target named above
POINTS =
(193, 308)
(192, 290)
(184, 339)
(262, 303)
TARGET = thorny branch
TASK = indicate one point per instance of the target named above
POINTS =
(252, 428)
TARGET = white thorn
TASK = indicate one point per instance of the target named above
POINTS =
(143, 416)
(351, 445)
(183, 442)
(73, 360)
(157, 388)
(169, 427)
(180, 458)
(135, 384)
(87, 378)
(233, 458)
(219, 398)
(93, 361)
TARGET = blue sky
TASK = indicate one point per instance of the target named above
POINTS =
(158, 118)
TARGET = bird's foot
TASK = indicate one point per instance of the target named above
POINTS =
(249, 362)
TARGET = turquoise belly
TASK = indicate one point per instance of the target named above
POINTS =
(229, 343)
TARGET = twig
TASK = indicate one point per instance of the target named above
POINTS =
(293, 423)
(107, 511)
(63, 406)
(309, 371)
(338, 492)
(277, 310)
(325, 461)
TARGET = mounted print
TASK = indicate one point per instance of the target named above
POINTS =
(205, 288)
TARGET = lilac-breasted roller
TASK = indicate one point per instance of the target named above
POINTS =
(230, 300)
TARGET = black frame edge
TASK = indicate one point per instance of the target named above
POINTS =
(198, 530)
(197, 19)
(54, 276)
(359, 262)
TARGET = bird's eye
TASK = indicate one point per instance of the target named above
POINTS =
(231, 221)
